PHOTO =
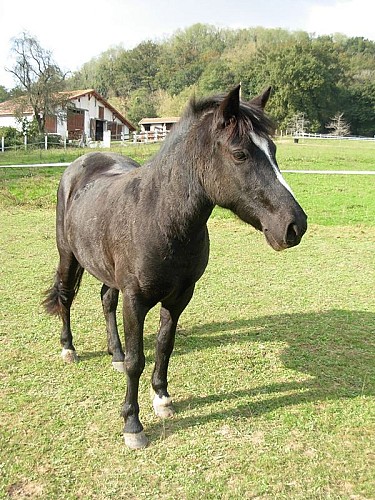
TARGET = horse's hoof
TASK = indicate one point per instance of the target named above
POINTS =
(135, 441)
(118, 366)
(163, 406)
(69, 356)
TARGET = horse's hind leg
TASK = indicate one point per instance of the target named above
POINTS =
(109, 298)
(169, 315)
(60, 297)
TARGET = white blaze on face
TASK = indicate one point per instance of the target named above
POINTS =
(262, 144)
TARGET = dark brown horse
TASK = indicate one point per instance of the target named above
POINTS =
(142, 230)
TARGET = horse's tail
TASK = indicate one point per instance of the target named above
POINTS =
(61, 294)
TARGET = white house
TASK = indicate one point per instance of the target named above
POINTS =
(88, 115)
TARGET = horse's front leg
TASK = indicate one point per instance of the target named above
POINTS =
(134, 315)
(169, 315)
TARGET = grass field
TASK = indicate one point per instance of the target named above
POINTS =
(139, 152)
(273, 373)
(311, 154)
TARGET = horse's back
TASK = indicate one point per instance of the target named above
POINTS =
(93, 166)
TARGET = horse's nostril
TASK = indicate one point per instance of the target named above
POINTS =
(292, 237)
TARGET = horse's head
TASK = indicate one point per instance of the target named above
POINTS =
(243, 174)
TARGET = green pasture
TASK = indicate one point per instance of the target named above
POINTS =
(325, 154)
(273, 374)
(140, 152)
(313, 154)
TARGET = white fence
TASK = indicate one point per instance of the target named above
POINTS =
(39, 144)
(53, 141)
(305, 135)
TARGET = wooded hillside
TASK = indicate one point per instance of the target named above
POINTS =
(314, 76)
(317, 76)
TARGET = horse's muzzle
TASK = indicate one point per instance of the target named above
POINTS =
(281, 236)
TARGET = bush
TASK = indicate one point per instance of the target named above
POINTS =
(55, 140)
(12, 137)
(38, 141)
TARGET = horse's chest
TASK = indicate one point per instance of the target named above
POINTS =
(171, 274)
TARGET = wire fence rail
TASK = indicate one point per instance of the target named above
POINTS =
(284, 171)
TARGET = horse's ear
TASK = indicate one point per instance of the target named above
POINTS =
(260, 101)
(230, 107)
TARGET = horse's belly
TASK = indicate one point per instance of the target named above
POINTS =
(92, 258)
(87, 239)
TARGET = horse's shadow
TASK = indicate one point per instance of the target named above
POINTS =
(87, 355)
(334, 348)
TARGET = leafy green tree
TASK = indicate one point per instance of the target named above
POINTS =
(118, 72)
(139, 67)
(217, 78)
(4, 94)
(141, 104)
(185, 56)
(359, 107)
(98, 73)
(304, 77)
(174, 105)
(360, 51)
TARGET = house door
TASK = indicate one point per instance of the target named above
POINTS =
(92, 129)
(99, 128)
(76, 123)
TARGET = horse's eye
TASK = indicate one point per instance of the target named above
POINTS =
(240, 155)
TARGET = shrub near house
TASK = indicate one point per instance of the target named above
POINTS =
(12, 136)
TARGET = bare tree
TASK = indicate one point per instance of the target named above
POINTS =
(338, 125)
(298, 124)
(39, 77)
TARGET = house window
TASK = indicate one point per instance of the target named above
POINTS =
(101, 113)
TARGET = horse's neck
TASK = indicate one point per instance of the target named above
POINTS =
(182, 206)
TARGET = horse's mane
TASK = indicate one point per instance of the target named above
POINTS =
(251, 119)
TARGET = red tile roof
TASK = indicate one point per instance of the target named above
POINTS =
(10, 108)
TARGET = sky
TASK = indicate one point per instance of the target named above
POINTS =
(78, 30)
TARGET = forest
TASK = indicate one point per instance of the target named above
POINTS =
(312, 76)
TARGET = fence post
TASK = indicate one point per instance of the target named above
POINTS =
(45, 142)
(2, 144)
(25, 141)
